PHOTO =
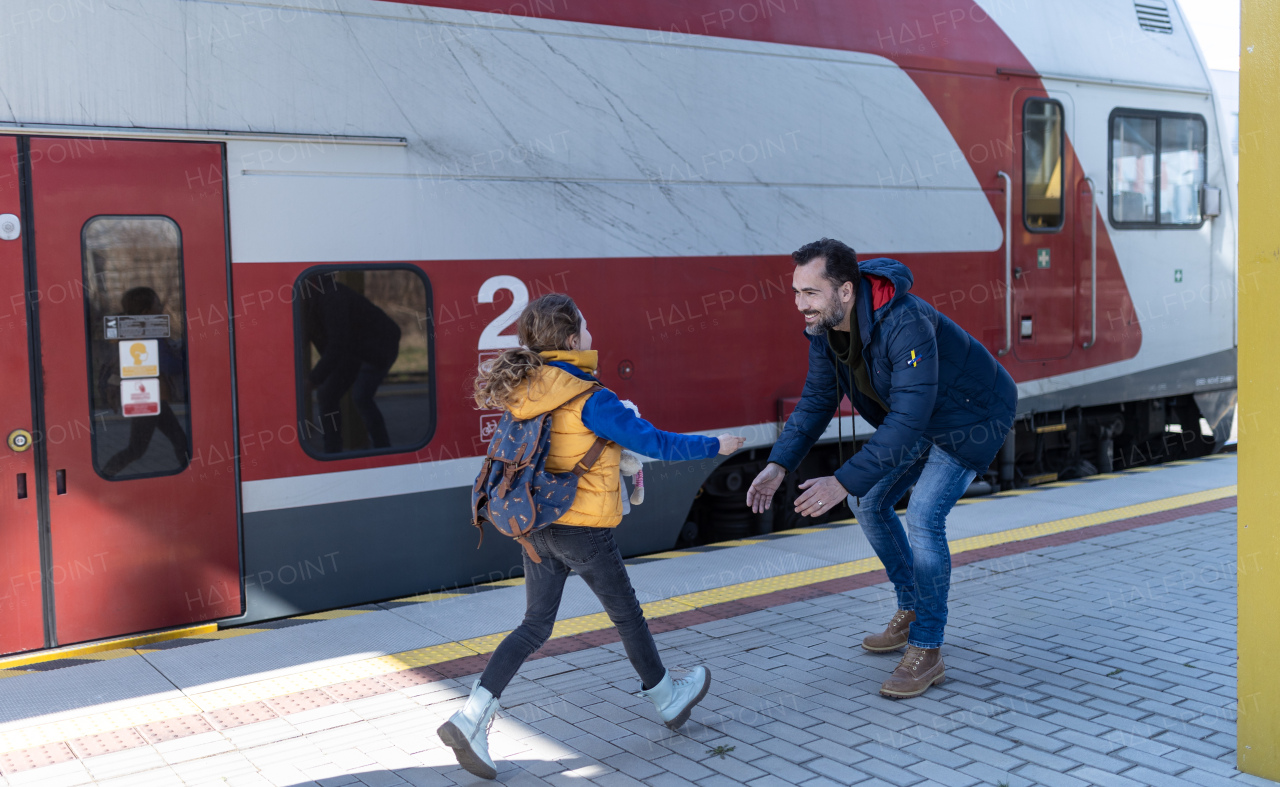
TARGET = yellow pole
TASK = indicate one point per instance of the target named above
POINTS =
(1258, 635)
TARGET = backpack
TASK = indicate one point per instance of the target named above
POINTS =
(514, 491)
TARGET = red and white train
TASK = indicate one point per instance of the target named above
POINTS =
(203, 204)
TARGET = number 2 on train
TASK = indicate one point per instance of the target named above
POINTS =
(491, 338)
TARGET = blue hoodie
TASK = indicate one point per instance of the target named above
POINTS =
(940, 383)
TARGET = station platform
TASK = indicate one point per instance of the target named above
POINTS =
(1091, 641)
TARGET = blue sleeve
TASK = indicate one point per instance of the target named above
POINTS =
(913, 374)
(813, 412)
(605, 415)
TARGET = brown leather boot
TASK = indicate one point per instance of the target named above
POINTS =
(894, 636)
(919, 669)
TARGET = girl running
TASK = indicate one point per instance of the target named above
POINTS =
(548, 372)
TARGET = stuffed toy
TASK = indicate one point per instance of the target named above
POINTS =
(631, 467)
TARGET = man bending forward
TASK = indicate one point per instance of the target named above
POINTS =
(941, 405)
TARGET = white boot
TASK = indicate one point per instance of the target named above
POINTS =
(675, 699)
(467, 732)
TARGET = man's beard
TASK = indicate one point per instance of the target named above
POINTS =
(828, 317)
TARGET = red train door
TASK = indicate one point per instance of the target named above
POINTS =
(130, 280)
(1044, 256)
(21, 604)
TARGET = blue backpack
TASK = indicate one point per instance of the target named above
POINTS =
(514, 491)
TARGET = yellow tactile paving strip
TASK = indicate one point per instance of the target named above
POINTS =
(106, 649)
(137, 645)
(12, 740)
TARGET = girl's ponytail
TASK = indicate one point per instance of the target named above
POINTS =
(547, 323)
(499, 377)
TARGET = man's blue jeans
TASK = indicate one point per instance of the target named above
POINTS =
(918, 562)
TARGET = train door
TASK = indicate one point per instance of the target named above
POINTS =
(21, 605)
(1044, 240)
(127, 268)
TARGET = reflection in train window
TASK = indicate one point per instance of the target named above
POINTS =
(1133, 169)
(364, 358)
(136, 325)
(1042, 164)
(1157, 169)
(1182, 148)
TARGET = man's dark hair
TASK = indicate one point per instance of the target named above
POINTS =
(842, 261)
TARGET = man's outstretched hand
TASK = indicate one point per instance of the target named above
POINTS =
(820, 496)
(760, 495)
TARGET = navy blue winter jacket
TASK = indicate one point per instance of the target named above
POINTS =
(939, 382)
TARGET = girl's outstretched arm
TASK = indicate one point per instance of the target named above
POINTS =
(605, 415)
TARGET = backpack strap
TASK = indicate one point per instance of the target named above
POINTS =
(589, 459)
(597, 448)
(522, 539)
(594, 387)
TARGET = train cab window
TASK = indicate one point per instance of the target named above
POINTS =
(1157, 169)
(364, 360)
(1042, 203)
(1182, 149)
(136, 325)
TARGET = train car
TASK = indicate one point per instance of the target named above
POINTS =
(251, 254)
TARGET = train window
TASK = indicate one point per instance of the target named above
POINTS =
(136, 321)
(1157, 169)
(1133, 169)
(1182, 148)
(1042, 165)
(364, 360)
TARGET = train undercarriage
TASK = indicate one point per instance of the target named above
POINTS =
(1043, 447)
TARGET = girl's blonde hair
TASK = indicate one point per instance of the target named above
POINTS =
(547, 323)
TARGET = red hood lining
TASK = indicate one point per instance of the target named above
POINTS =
(882, 290)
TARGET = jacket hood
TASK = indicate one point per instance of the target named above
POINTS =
(891, 271)
(586, 360)
(894, 271)
(547, 389)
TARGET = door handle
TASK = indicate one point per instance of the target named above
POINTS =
(61, 481)
(22, 486)
(1008, 263)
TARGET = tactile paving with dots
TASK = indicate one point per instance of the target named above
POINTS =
(300, 701)
(106, 742)
(172, 729)
(356, 689)
(240, 715)
(414, 676)
(12, 762)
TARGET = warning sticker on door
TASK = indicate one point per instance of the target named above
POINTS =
(140, 397)
(141, 326)
(139, 358)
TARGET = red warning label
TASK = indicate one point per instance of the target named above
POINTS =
(140, 397)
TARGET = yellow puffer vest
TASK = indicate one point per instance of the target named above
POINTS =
(599, 499)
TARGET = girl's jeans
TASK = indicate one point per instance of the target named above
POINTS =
(592, 552)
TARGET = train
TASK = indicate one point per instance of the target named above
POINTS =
(252, 253)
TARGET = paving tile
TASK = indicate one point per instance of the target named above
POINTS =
(88, 746)
(36, 757)
(177, 728)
